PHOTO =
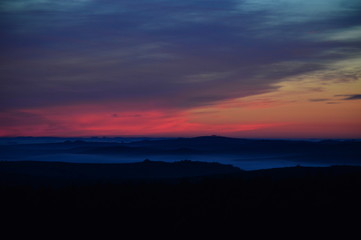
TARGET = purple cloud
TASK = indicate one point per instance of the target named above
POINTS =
(350, 96)
(172, 55)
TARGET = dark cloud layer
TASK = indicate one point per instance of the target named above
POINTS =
(350, 97)
(175, 55)
(319, 100)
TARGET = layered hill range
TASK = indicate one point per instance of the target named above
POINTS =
(209, 148)
(179, 184)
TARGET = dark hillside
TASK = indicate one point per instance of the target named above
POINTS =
(221, 198)
(60, 173)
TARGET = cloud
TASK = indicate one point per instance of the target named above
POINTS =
(164, 54)
(351, 34)
(14, 118)
(319, 99)
(38, 5)
(25, 122)
(350, 96)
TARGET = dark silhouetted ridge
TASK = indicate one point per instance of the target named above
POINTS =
(39, 173)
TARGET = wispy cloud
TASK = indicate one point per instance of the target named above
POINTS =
(169, 55)
(350, 97)
(319, 100)
(185, 54)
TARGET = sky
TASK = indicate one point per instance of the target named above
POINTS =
(238, 68)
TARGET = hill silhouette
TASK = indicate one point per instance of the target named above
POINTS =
(158, 197)
(61, 173)
(247, 154)
(331, 151)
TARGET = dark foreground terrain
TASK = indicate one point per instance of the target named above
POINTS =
(181, 197)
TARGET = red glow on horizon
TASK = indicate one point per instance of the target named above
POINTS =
(65, 121)
(258, 121)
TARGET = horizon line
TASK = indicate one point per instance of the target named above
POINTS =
(197, 136)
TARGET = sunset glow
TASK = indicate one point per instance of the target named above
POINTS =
(253, 69)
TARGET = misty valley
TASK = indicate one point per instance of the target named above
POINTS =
(195, 184)
(247, 154)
